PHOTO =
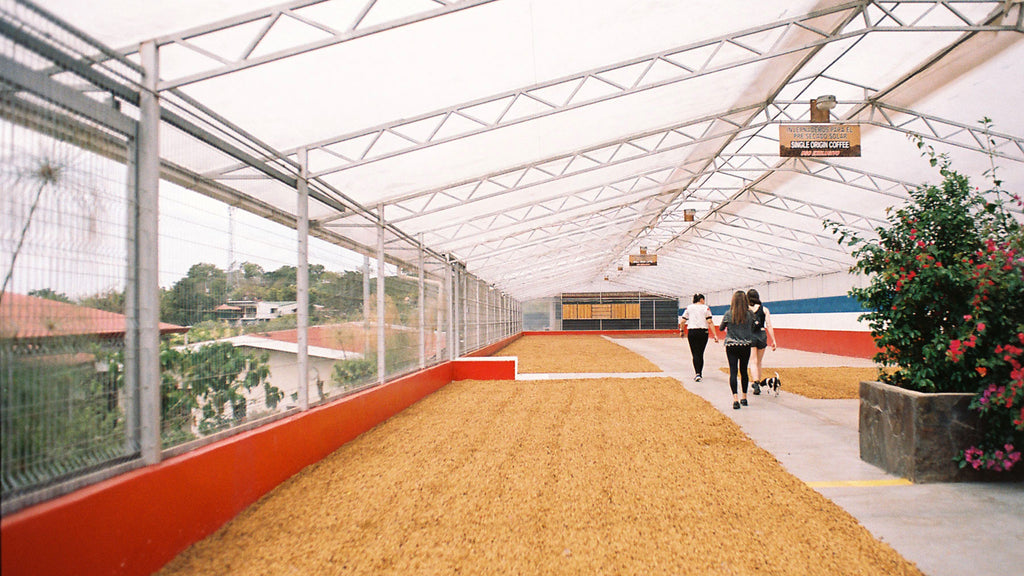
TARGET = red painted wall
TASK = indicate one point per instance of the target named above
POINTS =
(484, 369)
(613, 333)
(839, 342)
(135, 523)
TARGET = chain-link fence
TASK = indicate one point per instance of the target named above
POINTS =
(263, 308)
(63, 250)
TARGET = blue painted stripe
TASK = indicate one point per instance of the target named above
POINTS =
(826, 305)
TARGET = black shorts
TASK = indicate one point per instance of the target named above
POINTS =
(760, 341)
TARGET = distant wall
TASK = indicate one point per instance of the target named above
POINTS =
(808, 288)
(827, 325)
(813, 313)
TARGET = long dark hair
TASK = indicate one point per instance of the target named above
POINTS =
(753, 297)
(739, 308)
(697, 297)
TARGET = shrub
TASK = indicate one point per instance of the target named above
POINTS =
(351, 373)
(945, 301)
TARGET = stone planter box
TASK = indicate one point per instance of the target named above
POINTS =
(915, 434)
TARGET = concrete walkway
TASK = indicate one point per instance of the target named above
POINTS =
(946, 529)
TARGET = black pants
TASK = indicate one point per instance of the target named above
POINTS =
(739, 358)
(698, 340)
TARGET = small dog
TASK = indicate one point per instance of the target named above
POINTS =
(773, 383)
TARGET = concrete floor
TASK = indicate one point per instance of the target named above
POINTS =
(946, 529)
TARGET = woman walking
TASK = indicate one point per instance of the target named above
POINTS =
(737, 323)
(763, 336)
(696, 323)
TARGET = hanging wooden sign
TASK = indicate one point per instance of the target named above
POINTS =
(817, 140)
(643, 259)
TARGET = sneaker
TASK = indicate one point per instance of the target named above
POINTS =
(743, 402)
(735, 405)
(757, 388)
(696, 378)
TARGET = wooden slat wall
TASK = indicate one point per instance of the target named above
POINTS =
(601, 311)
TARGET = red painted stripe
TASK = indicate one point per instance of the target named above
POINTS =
(137, 522)
(492, 369)
(839, 342)
(629, 333)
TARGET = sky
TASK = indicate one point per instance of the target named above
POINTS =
(74, 239)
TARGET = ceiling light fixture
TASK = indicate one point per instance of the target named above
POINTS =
(826, 102)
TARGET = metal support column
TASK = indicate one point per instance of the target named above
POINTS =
(464, 291)
(366, 304)
(457, 313)
(131, 304)
(439, 324)
(449, 281)
(302, 279)
(381, 352)
(423, 310)
(147, 235)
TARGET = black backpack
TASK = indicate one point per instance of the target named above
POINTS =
(758, 319)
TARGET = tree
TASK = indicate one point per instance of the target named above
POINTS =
(213, 378)
(921, 269)
(59, 415)
(945, 302)
(50, 295)
(340, 295)
(281, 284)
(249, 282)
(194, 297)
(111, 301)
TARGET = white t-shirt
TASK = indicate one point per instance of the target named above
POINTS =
(696, 316)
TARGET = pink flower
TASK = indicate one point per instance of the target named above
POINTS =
(981, 326)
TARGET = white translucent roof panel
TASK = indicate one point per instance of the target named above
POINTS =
(541, 142)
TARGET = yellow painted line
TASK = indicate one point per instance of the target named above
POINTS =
(860, 483)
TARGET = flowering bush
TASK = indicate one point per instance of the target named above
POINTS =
(996, 353)
(945, 302)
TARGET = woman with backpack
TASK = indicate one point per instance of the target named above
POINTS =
(763, 336)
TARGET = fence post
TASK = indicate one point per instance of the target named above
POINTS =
(147, 235)
(381, 352)
(422, 307)
(366, 304)
(302, 279)
(449, 280)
